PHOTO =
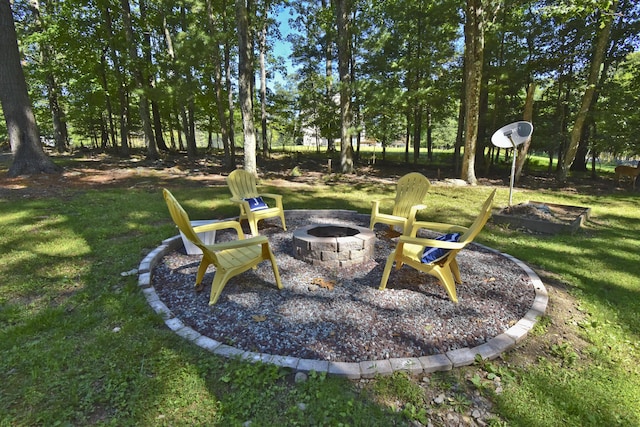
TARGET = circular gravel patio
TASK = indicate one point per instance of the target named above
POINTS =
(334, 319)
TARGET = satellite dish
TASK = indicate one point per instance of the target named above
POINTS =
(510, 136)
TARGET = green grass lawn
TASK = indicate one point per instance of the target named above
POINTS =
(79, 344)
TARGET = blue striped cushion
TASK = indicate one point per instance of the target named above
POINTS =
(434, 254)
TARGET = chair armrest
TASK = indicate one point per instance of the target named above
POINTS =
(276, 197)
(386, 199)
(375, 204)
(414, 210)
(431, 242)
(234, 244)
(271, 196)
(220, 225)
(436, 226)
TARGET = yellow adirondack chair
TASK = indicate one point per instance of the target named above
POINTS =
(229, 258)
(242, 185)
(410, 250)
(410, 192)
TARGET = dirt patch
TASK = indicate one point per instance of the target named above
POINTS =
(538, 212)
(92, 169)
(563, 314)
(543, 218)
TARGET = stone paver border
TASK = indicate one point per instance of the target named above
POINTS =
(352, 370)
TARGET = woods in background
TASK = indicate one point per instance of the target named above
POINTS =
(424, 74)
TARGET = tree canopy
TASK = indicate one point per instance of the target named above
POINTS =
(105, 73)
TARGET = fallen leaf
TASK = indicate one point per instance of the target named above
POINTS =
(327, 284)
(392, 234)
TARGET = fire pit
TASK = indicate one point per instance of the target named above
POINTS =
(333, 245)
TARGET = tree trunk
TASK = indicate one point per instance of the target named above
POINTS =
(145, 115)
(263, 81)
(328, 72)
(245, 73)
(24, 136)
(155, 108)
(356, 112)
(580, 160)
(417, 132)
(192, 150)
(216, 60)
(483, 158)
(407, 136)
(599, 50)
(474, 50)
(157, 127)
(105, 87)
(123, 99)
(460, 130)
(231, 161)
(343, 8)
(429, 135)
(60, 134)
(527, 116)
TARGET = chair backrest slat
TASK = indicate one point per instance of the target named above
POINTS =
(411, 190)
(242, 184)
(181, 218)
(480, 221)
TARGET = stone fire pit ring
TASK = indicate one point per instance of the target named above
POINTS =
(332, 245)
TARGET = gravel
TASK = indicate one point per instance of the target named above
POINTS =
(351, 321)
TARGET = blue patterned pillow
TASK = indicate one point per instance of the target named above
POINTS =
(433, 254)
(256, 203)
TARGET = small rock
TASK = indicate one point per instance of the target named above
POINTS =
(453, 419)
(302, 406)
(300, 377)
(456, 182)
(439, 400)
(129, 273)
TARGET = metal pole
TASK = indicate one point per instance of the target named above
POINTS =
(513, 173)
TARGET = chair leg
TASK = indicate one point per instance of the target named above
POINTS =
(445, 276)
(276, 272)
(202, 268)
(455, 270)
(219, 281)
(253, 225)
(284, 225)
(268, 254)
(387, 271)
(242, 215)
